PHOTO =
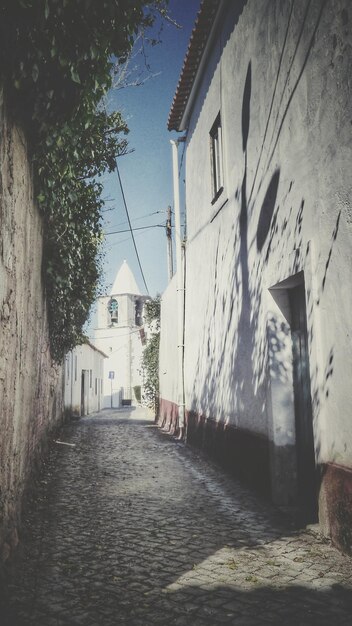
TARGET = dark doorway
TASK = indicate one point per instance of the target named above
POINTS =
(126, 399)
(306, 466)
(82, 391)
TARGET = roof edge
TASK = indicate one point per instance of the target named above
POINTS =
(89, 343)
(200, 42)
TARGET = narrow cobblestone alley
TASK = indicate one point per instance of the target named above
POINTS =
(129, 527)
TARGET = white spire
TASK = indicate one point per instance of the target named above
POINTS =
(125, 282)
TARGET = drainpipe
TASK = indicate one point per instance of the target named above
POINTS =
(71, 405)
(169, 244)
(180, 292)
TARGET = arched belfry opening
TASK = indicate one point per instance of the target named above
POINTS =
(113, 310)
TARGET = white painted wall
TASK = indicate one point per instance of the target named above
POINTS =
(168, 352)
(87, 361)
(299, 128)
(122, 344)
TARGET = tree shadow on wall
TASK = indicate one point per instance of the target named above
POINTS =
(240, 290)
(247, 324)
(237, 305)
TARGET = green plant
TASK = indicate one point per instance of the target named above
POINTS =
(56, 60)
(150, 358)
(137, 393)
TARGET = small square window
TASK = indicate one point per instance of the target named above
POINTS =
(216, 159)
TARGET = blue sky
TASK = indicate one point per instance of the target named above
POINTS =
(146, 173)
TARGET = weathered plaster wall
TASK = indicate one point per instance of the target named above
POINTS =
(168, 357)
(30, 387)
(279, 73)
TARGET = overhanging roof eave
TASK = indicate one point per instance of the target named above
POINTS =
(201, 41)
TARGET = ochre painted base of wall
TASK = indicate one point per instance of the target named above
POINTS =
(168, 416)
(244, 454)
(335, 505)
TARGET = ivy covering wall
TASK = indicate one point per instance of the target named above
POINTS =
(150, 357)
(57, 60)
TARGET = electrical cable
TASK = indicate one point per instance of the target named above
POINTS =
(117, 243)
(131, 332)
(116, 232)
(141, 217)
(129, 222)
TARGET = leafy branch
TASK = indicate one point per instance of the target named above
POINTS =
(58, 60)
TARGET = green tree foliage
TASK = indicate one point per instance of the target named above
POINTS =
(150, 358)
(137, 393)
(56, 60)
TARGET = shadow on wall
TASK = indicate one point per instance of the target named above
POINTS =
(242, 358)
(277, 334)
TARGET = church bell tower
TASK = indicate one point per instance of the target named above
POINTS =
(119, 334)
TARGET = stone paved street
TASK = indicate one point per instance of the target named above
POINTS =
(130, 527)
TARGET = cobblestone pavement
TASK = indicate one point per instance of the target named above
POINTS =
(129, 527)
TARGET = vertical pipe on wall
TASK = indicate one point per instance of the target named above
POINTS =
(170, 270)
(180, 290)
(72, 365)
(130, 362)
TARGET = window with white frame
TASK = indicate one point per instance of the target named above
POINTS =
(216, 159)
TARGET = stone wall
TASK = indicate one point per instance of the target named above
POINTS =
(30, 385)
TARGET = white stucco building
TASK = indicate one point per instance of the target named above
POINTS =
(119, 333)
(83, 380)
(264, 100)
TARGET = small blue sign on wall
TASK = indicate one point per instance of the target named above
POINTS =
(112, 375)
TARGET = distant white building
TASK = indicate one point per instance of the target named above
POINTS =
(83, 380)
(120, 335)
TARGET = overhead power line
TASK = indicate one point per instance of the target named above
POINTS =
(119, 242)
(130, 227)
(131, 332)
(135, 219)
(115, 232)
